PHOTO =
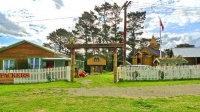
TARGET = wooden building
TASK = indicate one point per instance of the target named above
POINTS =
(96, 63)
(147, 55)
(37, 56)
(192, 55)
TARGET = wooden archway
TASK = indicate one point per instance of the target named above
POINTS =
(76, 46)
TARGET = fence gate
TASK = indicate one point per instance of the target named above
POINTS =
(74, 46)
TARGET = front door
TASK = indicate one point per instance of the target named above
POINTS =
(96, 69)
(50, 64)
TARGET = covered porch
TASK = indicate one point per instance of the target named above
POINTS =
(55, 62)
(60, 62)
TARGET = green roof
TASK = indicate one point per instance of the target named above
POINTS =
(174, 60)
(56, 59)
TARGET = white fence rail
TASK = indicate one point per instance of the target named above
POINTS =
(41, 75)
(158, 73)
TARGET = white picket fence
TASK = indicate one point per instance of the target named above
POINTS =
(42, 75)
(158, 73)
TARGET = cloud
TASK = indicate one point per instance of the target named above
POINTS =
(170, 40)
(151, 22)
(8, 27)
(178, 12)
(58, 3)
(176, 15)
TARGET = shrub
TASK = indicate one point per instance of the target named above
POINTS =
(11, 68)
(121, 80)
(137, 74)
(23, 64)
(48, 77)
(161, 74)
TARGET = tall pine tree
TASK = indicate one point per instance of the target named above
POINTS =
(135, 24)
(59, 38)
(104, 20)
(86, 28)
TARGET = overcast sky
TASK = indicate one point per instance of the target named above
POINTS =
(33, 20)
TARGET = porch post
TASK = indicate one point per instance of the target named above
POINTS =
(196, 61)
(115, 64)
(72, 64)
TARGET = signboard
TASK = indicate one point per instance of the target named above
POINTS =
(6, 78)
(14, 75)
(117, 45)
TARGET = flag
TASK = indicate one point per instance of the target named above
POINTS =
(161, 25)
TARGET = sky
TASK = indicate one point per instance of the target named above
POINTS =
(33, 20)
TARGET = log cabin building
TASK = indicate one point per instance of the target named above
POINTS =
(96, 63)
(36, 56)
(148, 54)
(192, 55)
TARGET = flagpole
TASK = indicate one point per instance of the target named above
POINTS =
(160, 41)
(161, 26)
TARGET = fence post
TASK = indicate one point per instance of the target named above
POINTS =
(72, 65)
(115, 64)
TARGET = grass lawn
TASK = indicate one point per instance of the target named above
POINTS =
(43, 97)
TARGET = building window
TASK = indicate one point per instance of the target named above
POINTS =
(138, 61)
(34, 63)
(7, 64)
(96, 59)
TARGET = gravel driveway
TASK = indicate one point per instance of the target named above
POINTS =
(138, 92)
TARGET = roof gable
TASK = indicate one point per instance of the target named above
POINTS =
(96, 60)
(140, 52)
(153, 51)
(153, 43)
(97, 55)
(174, 60)
(24, 41)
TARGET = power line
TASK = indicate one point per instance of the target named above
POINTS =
(175, 8)
(169, 11)
(50, 19)
(47, 19)
(187, 11)
(163, 4)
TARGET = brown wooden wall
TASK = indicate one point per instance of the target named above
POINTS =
(24, 51)
(147, 61)
(96, 69)
(91, 61)
(191, 61)
(134, 61)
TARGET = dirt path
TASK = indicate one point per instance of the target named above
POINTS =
(138, 92)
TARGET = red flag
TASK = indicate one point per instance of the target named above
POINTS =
(161, 24)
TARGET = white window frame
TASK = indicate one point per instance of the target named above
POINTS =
(34, 59)
(9, 60)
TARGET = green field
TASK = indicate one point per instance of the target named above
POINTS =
(45, 97)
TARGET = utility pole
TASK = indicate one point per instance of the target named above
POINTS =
(126, 4)
(1, 43)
